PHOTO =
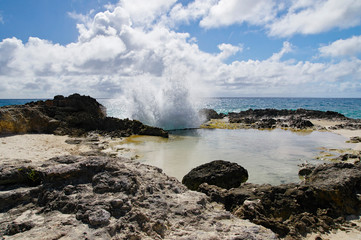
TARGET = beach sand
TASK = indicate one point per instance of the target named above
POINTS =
(37, 147)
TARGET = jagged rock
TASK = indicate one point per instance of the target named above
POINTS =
(347, 156)
(111, 198)
(295, 119)
(220, 173)
(300, 123)
(73, 115)
(329, 194)
(209, 114)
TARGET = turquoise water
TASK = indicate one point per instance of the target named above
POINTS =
(350, 107)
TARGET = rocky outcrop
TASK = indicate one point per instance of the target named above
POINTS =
(220, 173)
(329, 194)
(96, 197)
(73, 115)
(209, 114)
(272, 118)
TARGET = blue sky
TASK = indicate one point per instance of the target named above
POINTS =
(304, 48)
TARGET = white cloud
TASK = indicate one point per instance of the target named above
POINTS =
(228, 50)
(1, 19)
(193, 11)
(316, 16)
(228, 12)
(343, 47)
(144, 13)
(287, 47)
(117, 54)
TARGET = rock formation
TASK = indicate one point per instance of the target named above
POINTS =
(273, 118)
(73, 115)
(329, 194)
(220, 173)
(97, 197)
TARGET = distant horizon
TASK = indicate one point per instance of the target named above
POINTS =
(200, 97)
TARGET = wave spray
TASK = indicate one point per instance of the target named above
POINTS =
(161, 102)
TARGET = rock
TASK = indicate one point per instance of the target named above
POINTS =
(347, 156)
(295, 119)
(322, 202)
(111, 198)
(72, 115)
(306, 170)
(99, 217)
(220, 173)
(300, 123)
(209, 114)
(355, 140)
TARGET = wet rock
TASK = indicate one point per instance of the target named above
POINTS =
(73, 115)
(348, 156)
(220, 173)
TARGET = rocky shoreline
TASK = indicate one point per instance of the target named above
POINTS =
(97, 194)
(74, 115)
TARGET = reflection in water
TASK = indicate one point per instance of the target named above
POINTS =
(269, 156)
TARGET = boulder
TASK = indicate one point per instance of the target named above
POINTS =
(220, 173)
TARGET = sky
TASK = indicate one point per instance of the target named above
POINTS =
(208, 48)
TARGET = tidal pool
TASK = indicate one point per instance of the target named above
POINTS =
(269, 156)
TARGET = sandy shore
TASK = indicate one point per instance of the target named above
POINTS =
(343, 132)
(37, 147)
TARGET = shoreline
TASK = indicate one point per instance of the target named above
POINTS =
(41, 172)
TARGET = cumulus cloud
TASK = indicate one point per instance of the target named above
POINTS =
(228, 12)
(343, 47)
(228, 50)
(126, 48)
(316, 16)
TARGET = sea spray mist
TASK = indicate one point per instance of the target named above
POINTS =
(168, 103)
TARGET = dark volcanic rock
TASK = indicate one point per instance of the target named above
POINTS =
(111, 198)
(296, 119)
(209, 114)
(73, 115)
(329, 194)
(220, 173)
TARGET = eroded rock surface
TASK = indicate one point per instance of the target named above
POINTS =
(73, 115)
(322, 202)
(74, 197)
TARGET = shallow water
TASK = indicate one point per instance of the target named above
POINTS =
(269, 156)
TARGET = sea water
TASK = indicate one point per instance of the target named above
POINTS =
(350, 107)
(270, 156)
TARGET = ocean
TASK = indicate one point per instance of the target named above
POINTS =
(350, 107)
